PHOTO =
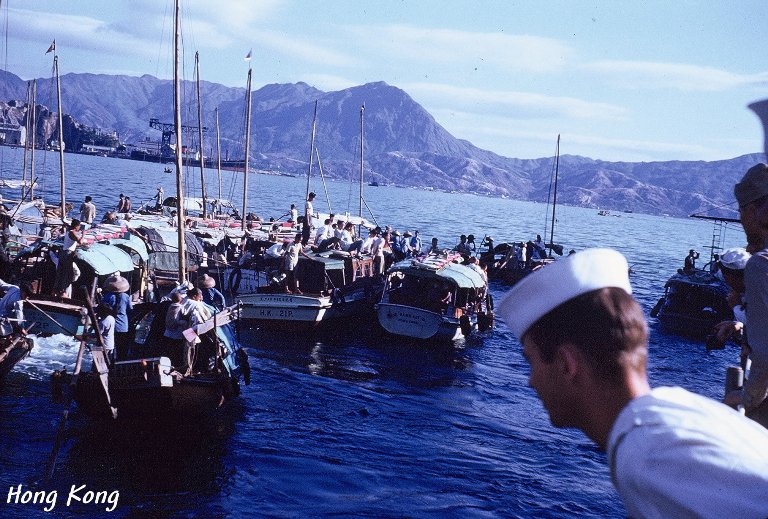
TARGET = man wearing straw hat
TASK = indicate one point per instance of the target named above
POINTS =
(211, 295)
(671, 453)
(115, 296)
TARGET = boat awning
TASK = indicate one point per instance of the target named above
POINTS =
(105, 259)
(133, 243)
(460, 275)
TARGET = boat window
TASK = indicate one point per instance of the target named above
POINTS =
(143, 327)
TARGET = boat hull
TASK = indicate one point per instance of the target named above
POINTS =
(418, 323)
(13, 352)
(284, 310)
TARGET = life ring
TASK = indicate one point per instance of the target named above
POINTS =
(242, 359)
(466, 325)
(234, 280)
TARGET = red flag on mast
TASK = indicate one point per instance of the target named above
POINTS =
(52, 47)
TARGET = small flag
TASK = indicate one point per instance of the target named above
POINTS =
(248, 56)
(52, 47)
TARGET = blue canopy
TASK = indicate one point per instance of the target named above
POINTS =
(105, 259)
(458, 274)
(133, 243)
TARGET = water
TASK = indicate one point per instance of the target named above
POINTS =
(354, 424)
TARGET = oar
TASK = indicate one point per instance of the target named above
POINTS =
(65, 414)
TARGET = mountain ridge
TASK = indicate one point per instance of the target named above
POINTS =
(404, 144)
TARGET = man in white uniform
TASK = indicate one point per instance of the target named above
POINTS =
(671, 453)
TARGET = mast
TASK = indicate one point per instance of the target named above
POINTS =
(26, 142)
(218, 151)
(362, 141)
(247, 144)
(311, 150)
(200, 133)
(33, 125)
(554, 198)
(61, 136)
(180, 220)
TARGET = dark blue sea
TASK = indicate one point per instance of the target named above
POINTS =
(352, 423)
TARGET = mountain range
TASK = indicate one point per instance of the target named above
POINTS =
(404, 145)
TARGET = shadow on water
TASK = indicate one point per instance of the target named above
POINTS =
(368, 355)
(161, 467)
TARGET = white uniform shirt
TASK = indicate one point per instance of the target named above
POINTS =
(676, 454)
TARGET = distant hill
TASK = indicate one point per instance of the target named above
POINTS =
(404, 144)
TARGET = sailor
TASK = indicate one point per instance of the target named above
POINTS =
(211, 295)
(293, 214)
(731, 266)
(752, 196)
(671, 453)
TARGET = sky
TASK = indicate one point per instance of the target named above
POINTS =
(618, 80)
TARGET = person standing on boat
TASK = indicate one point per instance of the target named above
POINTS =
(198, 313)
(752, 195)
(211, 295)
(87, 211)
(415, 244)
(293, 214)
(121, 204)
(159, 197)
(309, 212)
(115, 295)
(66, 271)
(107, 329)
(176, 321)
(671, 453)
(377, 251)
(291, 261)
(690, 261)
(127, 206)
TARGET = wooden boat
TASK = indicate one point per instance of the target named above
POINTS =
(693, 303)
(434, 298)
(14, 347)
(334, 286)
(148, 381)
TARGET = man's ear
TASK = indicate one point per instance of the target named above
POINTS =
(569, 361)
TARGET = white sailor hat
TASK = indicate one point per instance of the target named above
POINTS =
(735, 258)
(544, 290)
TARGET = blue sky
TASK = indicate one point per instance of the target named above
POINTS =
(620, 80)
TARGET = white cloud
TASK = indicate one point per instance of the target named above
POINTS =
(515, 104)
(681, 76)
(505, 51)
